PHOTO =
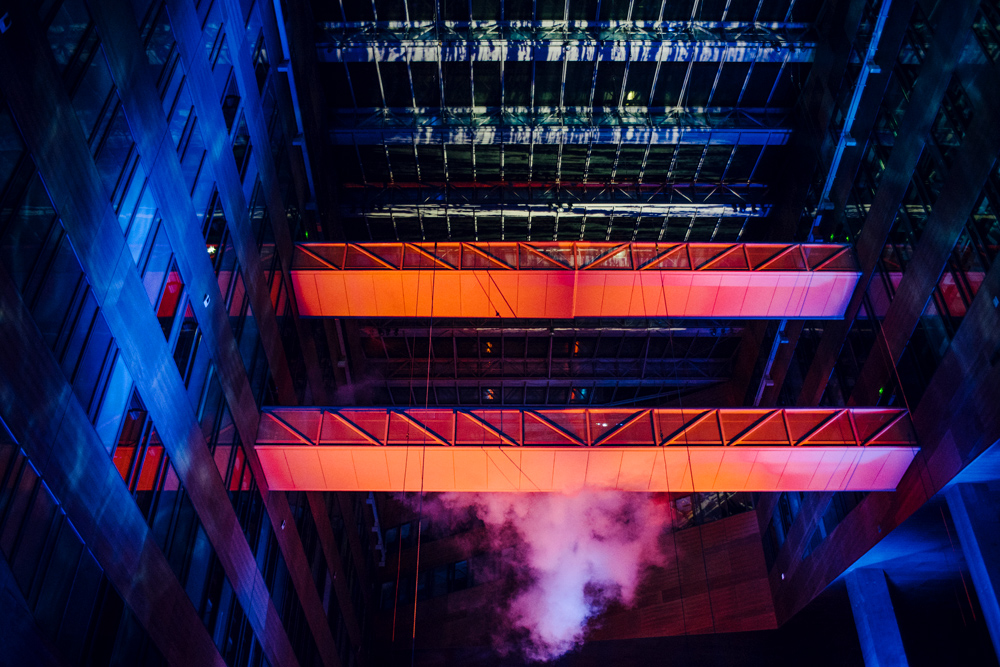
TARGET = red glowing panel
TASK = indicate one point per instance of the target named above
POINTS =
(566, 280)
(566, 469)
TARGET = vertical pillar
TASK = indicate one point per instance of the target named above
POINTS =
(973, 509)
(875, 619)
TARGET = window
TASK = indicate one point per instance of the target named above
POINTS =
(170, 299)
(701, 508)
(244, 325)
(217, 48)
(781, 521)
(219, 244)
(261, 66)
(116, 395)
(146, 469)
(156, 264)
(231, 462)
(840, 506)
(260, 222)
(241, 147)
(178, 107)
(73, 603)
(432, 582)
(43, 263)
(187, 346)
(231, 104)
(305, 523)
(88, 80)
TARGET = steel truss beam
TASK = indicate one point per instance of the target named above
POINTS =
(634, 41)
(558, 125)
(556, 280)
(683, 450)
(681, 200)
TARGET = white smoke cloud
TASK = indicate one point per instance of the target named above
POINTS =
(571, 557)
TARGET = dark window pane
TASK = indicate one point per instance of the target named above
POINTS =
(62, 281)
(241, 147)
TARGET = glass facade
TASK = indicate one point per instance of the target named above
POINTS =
(76, 606)
(73, 603)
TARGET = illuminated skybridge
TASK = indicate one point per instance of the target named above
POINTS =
(566, 280)
(651, 450)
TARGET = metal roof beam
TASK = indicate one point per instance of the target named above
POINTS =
(524, 209)
(550, 199)
(554, 125)
(561, 41)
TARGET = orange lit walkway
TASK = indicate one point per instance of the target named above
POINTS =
(673, 450)
(566, 280)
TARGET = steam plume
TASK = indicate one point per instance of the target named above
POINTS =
(571, 556)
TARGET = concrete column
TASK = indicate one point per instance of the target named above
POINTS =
(974, 510)
(875, 619)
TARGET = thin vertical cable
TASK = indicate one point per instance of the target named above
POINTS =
(423, 464)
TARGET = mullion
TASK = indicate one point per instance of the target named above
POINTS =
(503, 102)
(788, 14)
(725, 171)
(687, 234)
(562, 82)
(645, 160)
(715, 84)
(621, 104)
(743, 228)
(472, 105)
(614, 163)
(753, 171)
(777, 79)
(684, 86)
(701, 162)
(746, 81)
